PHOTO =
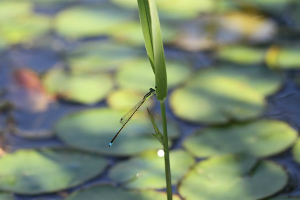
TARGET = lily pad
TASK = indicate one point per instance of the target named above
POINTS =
(24, 29)
(296, 151)
(6, 196)
(228, 28)
(219, 94)
(44, 171)
(283, 58)
(146, 171)
(181, 9)
(89, 21)
(241, 54)
(138, 75)
(260, 138)
(132, 33)
(81, 88)
(110, 192)
(93, 57)
(93, 129)
(14, 9)
(124, 100)
(234, 178)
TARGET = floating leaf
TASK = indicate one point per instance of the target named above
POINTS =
(82, 88)
(234, 178)
(138, 74)
(88, 21)
(13, 9)
(44, 171)
(110, 192)
(296, 151)
(228, 28)
(125, 99)
(260, 138)
(131, 33)
(241, 54)
(93, 57)
(283, 58)
(93, 129)
(6, 196)
(219, 94)
(181, 9)
(147, 170)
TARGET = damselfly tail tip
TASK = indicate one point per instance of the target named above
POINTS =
(110, 144)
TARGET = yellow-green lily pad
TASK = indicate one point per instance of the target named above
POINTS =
(232, 177)
(296, 151)
(138, 75)
(132, 33)
(260, 138)
(44, 171)
(125, 99)
(110, 192)
(93, 57)
(88, 21)
(14, 9)
(220, 94)
(6, 196)
(182, 9)
(81, 88)
(283, 58)
(147, 170)
(92, 130)
(241, 54)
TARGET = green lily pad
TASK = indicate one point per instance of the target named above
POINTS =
(14, 9)
(182, 9)
(25, 29)
(110, 192)
(147, 171)
(132, 33)
(93, 129)
(88, 21)
(93, 57)
(124, 100)
(241, 54)
(260, 138)
(81, 88)
(219, 94)
(283, 58)
(6, 196)
(138, 74)
(43, 171)
(296, 151)
(234, 178)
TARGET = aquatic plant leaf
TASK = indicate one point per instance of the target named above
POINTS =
(146, 171)
(94, 57)
(259, 138)
(88, 21)
(220, 94)
(137, 74)
(241, 54)
(110, 192)
(93, 129)
(81, 88)
(232, 177)
(6, 196)
(125, 99)
(44, 171)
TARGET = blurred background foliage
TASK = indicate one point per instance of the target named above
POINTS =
(69, 69)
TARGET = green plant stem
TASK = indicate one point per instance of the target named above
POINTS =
(166, 151)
